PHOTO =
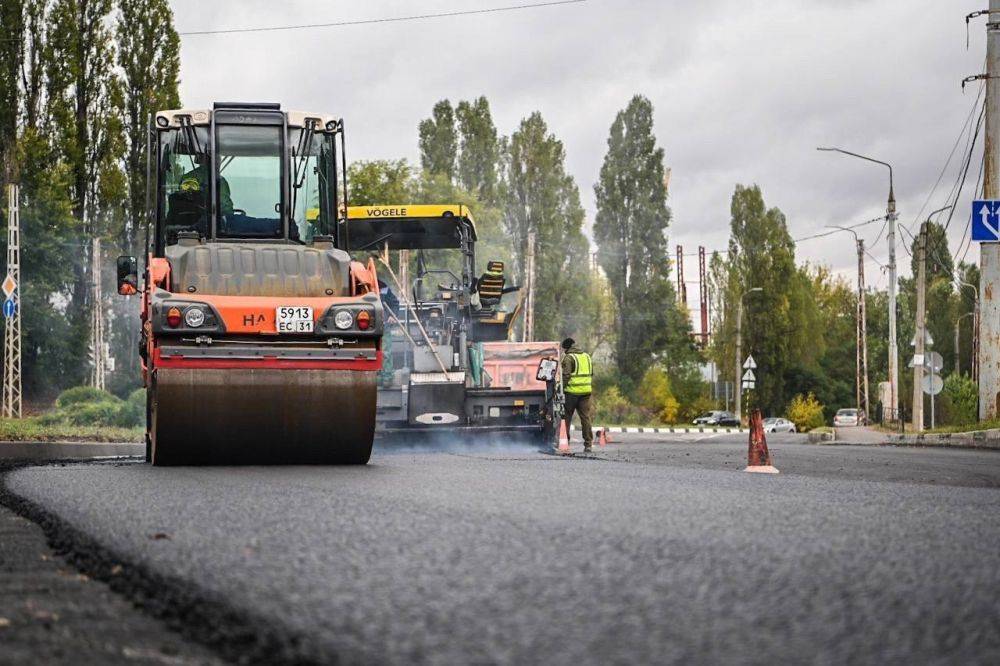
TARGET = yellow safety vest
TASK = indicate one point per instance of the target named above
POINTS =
(583, 372)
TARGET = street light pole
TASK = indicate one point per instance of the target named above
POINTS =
(861, 330)
(739, 351)
(958, 324)
(974, 360)
(921, 327)
(890, 217)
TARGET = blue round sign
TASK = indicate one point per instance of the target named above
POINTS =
(9, 308)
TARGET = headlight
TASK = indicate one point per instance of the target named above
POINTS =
(343, 320)
(194, 317)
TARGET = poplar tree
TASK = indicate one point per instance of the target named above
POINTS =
(84, 102)
(439, 141)
(11, 51)
(541, 197)
(630, 230)
(780, 326)
(149, 58)
(480, 149)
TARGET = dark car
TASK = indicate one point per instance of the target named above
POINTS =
(717, 418)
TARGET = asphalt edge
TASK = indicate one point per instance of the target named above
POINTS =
(234, 635)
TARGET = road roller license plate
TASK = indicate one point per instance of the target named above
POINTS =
(293, 319)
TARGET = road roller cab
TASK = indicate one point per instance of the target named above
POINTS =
(453, 368)
(261, 338)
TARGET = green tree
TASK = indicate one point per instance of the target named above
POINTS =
(84, 100)
(780, 322)
(379, 182)
(439, 141)
(11, 53)
(149, 58)
(541, 198)
(480, 149)
(630, 230)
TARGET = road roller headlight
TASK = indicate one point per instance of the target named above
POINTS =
(194, 317)
(174, 317)
(343, 320)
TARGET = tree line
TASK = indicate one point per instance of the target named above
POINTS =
(78, 81)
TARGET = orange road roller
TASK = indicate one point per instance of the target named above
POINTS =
(261, 338)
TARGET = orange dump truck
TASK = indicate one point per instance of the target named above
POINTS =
(261, 338)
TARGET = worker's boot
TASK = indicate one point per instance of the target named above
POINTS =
(588, 448)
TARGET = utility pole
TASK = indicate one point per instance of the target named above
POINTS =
(893, 348)
(862, 326)
(12, 313)
(860, 330)
(890, 216)
(989, 253)
(97, 319)
(703, 295)
(921, 331)
(529, 312)
(682, 292)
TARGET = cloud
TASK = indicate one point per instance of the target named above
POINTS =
(744, 92)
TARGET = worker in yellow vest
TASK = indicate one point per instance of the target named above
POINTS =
(577, 375)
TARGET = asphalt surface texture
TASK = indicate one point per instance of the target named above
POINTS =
(653, 550)
(52, 614)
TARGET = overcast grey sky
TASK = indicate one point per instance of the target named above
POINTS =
(744, 91)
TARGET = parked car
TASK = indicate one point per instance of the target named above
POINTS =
(717, 418)
(847, 417)
(775, 424)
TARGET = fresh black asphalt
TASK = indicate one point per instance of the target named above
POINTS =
(650, 552)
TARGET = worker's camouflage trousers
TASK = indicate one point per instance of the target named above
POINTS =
(581, 405)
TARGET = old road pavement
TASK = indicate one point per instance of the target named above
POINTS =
(655, 550)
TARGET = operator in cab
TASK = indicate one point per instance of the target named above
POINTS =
(189, 205)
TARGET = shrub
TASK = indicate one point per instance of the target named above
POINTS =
(655, 395)
(132, 412)
(959, 400)
(805, 412)
(611, 406)
(83, 394)
(87, 406)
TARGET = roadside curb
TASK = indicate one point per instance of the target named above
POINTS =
(663, 431)
(978, 439)
(43, 451)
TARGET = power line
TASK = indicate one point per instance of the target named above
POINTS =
(951, 154)
(393, 19)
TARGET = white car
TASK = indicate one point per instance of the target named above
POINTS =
(847, 418)
(774, 424)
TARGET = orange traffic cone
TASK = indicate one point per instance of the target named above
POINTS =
(563, 437)
(602, 437)
(758, 457)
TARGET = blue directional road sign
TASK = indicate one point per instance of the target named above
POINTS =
(986, 221)
(9, 308)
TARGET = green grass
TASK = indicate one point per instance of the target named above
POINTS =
(29, 429)
(966, 427)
